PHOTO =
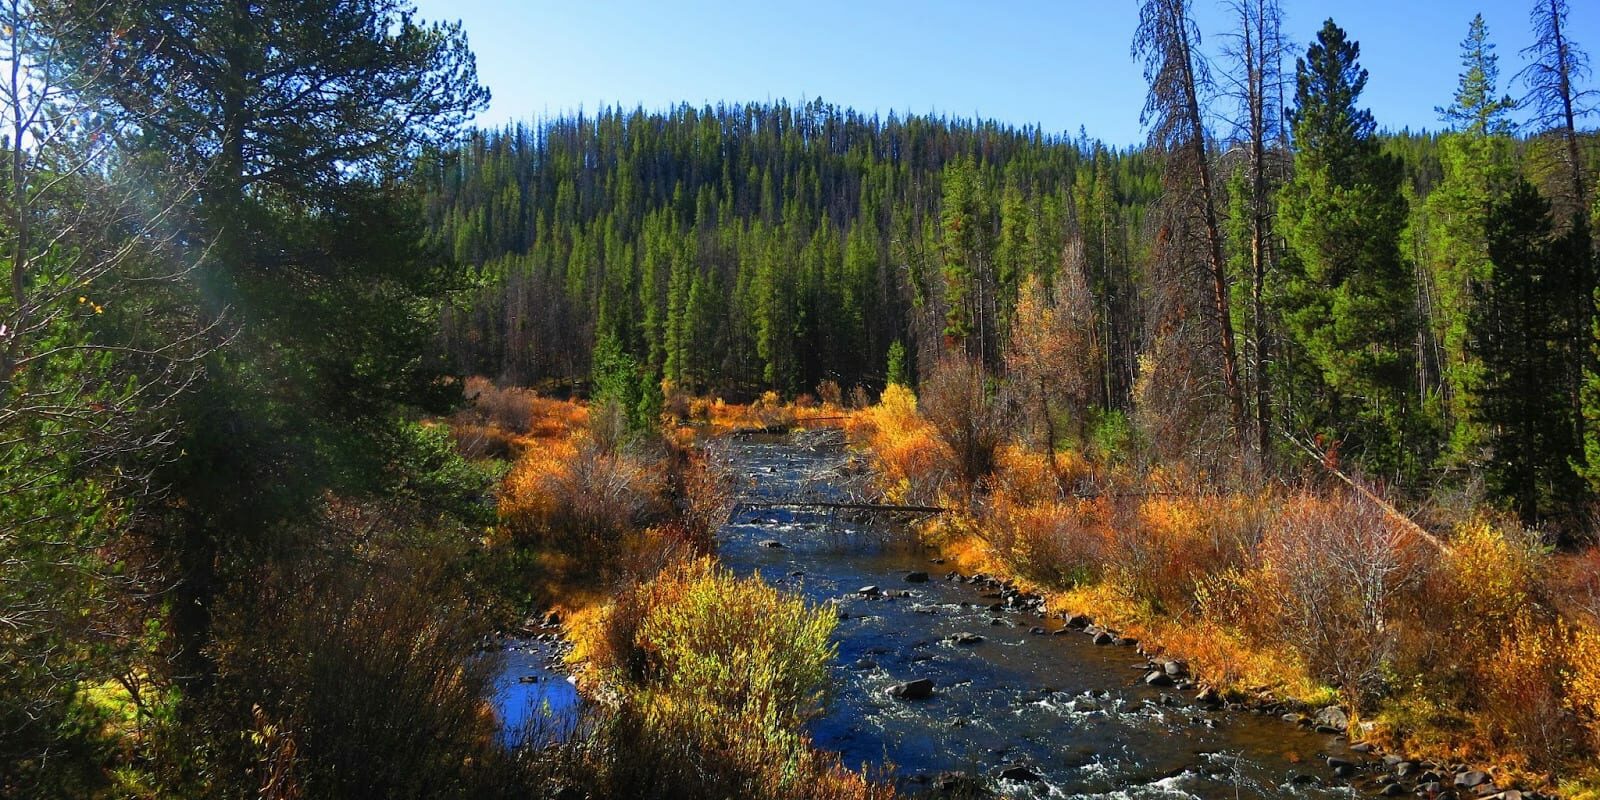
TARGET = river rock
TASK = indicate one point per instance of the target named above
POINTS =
(1430, 789)
(1075, 621)
(1104, 638)
(1176, 669)
(1392, 789)
(1332, 719)
(965, 638)
(1156, 677)
(1471, 779)
(1208, 697)
(870, 591)
(772, 544)
(1018, 772)
(916, 577)
(919, 689)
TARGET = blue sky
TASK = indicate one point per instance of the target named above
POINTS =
(1061, 64)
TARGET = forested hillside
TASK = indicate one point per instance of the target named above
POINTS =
(740, 248)
(746, 247)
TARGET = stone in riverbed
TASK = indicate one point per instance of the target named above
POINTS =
(919, 689)
(1176, 669)
(916, 577)
(965, 638)
(1018, 772)
(1332, 719)
(1156, 677)
(1471, 779)
(870, 591)
(1104, 638)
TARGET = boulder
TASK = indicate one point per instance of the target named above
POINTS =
(773, 544)
(1104, 638)
(1392, 789)
(870, 591)
(1018, 772)
(1332, 718)
(1471, 779)
(916, 577)
(1176, 669)
(919, 689)
(965, 638)
(1156, 677)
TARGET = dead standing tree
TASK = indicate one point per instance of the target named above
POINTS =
(1165, 41)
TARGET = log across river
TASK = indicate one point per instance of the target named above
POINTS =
(1024, 713)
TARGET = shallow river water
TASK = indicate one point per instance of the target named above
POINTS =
(1076, 715)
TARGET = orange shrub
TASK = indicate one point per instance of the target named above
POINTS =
(1523, 709)
(569, 493)
(912, 462)
(1164, 547)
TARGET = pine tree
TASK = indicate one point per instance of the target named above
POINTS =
(1346, 291)
(1521, 335)
(1476, 158)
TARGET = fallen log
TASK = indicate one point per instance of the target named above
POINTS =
(846, 507)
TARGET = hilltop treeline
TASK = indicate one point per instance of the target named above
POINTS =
(750, 246)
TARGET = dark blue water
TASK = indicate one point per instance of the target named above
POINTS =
(1075, 714)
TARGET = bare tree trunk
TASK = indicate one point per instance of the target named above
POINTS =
(1218, 266)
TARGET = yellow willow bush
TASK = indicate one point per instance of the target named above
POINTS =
(913, 462)
(722, 671)
(569, 493)
(1581, 674)
(1524, 711)
(1059, 544)
(1165, 546)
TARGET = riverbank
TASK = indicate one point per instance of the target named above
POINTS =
(1477, 652)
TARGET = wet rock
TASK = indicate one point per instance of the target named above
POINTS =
(1406, 769)
(797, 574)
(919, 689)
(935, 561)
(996, 622)
(965, 638)
(1304, 779)
(1430, 789)
(1471, 779)
(1334, 762)
(1125, 641)
(1208, 697)
(552, 619)
(1332, 719)
(1076, 621)
(864, 663)
(528, 679)
(1361, 747)
(1104, 638)
(1018, 772)
(772, 544)
(916, 577)
(1176, 669)
(1084, 705)
(1036, 631)
(1392, 759)
(1392, 789)
(870, 591)
(1294, 719)
(1156, 677)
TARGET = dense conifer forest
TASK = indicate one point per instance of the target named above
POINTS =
(329, 421)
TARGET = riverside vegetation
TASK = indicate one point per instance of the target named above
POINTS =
(1308, 404)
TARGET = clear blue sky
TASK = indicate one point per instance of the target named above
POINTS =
(1060, 64)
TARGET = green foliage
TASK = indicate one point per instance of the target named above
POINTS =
(899, 374)
(1346, 291)
(1524, 340)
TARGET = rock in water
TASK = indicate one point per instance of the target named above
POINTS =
(919, 689)
(869, 591)
(1332, 719)
(916, 577)
(1018, 772)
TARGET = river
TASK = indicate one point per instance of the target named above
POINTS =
(1028, 714)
